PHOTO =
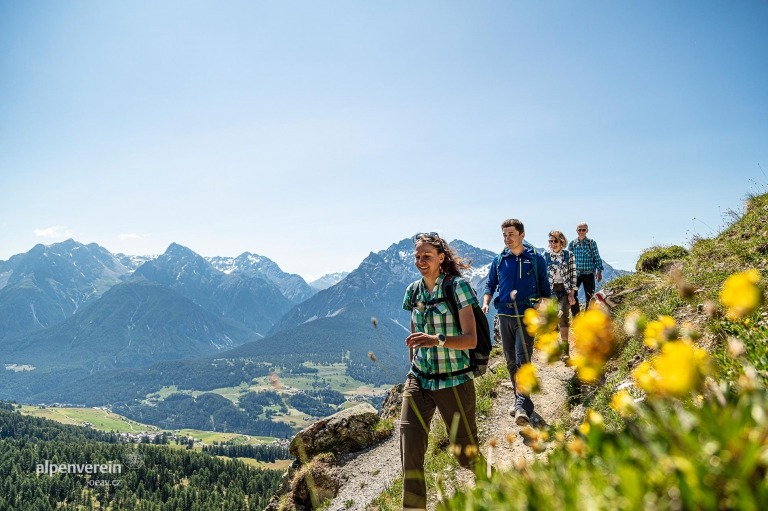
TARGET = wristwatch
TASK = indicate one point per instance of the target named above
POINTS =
(440, 340)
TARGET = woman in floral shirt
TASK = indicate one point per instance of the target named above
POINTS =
(561, 268)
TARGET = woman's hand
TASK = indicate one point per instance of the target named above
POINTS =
(421, 340)
(571, 298)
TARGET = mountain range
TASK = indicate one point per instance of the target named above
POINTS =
(70, 313)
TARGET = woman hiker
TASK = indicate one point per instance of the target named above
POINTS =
(561, 269)
(441, 376)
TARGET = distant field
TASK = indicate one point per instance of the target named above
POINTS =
(101, 419)
(105, 421)
(332, 376)
(208, 437)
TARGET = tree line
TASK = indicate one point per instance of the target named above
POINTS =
(152, 478)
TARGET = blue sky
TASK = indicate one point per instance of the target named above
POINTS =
(316, 132)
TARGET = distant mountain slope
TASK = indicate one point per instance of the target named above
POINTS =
(135, 323)
(293, 287)
(251, 300)
(328, 280)
(50, 283)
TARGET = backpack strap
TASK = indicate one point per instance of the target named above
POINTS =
(414, 292)
(498, 267)
(536, 270)
(449, 294)
(591, 251)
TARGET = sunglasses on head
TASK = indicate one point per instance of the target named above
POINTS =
(429, 235)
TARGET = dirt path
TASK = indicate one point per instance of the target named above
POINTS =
(550, 405)
(365, 475)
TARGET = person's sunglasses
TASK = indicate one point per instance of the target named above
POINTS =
(554, 241)
(432, 235)
(581, 230)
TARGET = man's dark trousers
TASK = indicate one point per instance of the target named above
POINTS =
(588, 280)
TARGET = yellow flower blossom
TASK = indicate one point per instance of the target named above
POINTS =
(526, 380)
(541, 319)
(595, 418)
(659, 331)
(680, 367)
(623, 403)
(741, 294)
(550, 345)
(677, 370)
(644, 377)
(593, 342)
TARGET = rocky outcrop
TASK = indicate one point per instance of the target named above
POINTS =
(311, 479)
(345, 431)
(390, 409)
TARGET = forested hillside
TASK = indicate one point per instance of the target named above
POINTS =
(151, 477)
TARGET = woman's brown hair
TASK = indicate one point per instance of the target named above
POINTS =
(452, 264)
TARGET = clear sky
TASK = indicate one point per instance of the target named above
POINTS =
(315, 132)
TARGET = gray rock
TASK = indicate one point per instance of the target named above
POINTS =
(345, 431)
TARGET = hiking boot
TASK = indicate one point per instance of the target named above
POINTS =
(521, 417)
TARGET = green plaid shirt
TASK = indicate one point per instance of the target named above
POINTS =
(437, 319)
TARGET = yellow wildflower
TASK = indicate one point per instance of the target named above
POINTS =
(659, 331)
(593, 342)
(741, 294)
(526, 380)
(550, 345)
(595, 418)
(623, 403)
(644, 377)
(541, 319)
(678, 369)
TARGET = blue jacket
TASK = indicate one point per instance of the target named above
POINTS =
(509, 272)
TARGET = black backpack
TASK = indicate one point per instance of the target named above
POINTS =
(481, 352)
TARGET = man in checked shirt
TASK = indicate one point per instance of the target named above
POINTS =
(588, 265)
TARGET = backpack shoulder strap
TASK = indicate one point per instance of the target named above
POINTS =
(498, 266)
(536, 269)
(591, 249)
(449, 293)
(414, 293)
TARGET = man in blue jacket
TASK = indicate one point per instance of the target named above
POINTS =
(520, 274)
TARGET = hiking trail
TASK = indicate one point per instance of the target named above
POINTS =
(366, 474)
